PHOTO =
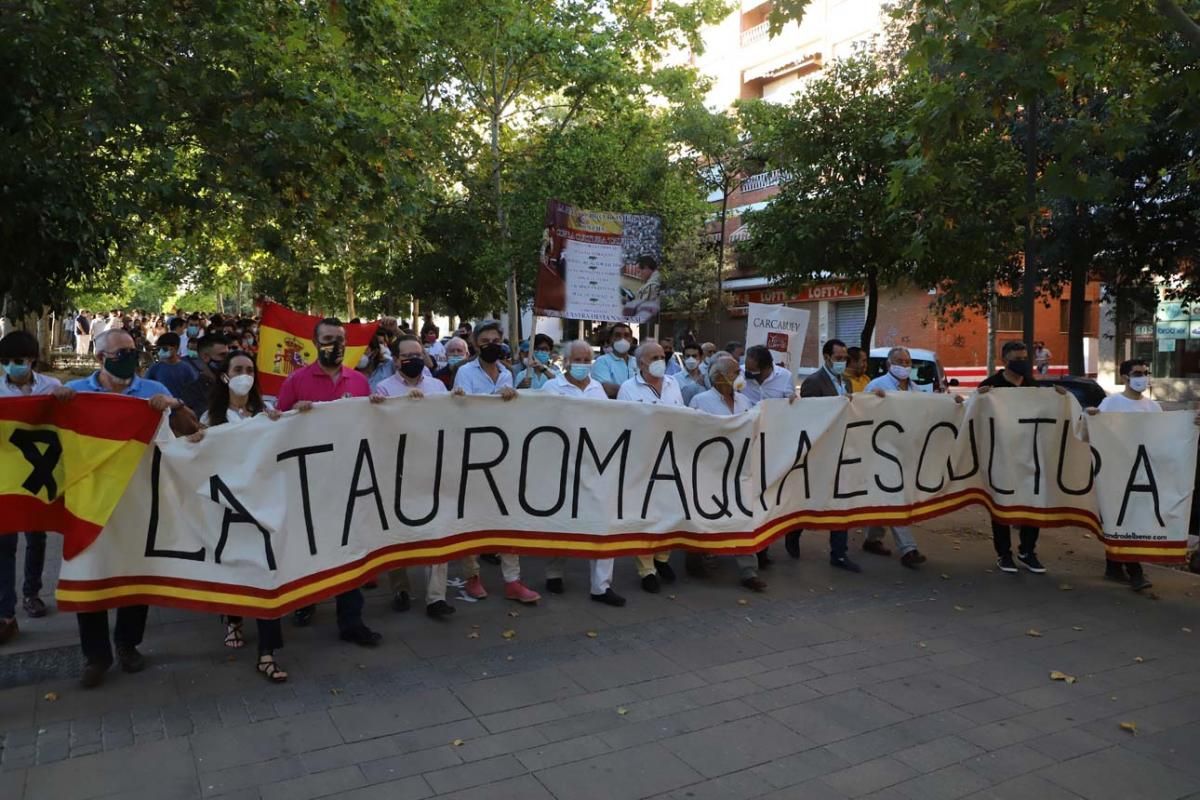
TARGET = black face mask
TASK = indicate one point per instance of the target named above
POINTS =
(1019, 366)
(124, 366)
(491, 352)
(412, 367)
(330, 355)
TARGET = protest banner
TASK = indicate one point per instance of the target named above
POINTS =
(321, 501)
(285, 344)
(598, 265)
(781, 329)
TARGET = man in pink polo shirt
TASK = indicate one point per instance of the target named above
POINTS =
(323, 381)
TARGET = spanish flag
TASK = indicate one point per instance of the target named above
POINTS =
(285, 344)
(64, 465)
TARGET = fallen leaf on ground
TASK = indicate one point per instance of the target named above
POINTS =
(473, 635)
(1076, 627)
(1055, 675)
(50, 697)
(1186, 630)
(1138, 659)
(959, 608)
(514, 613)
(1065, 587)
(592, 634)
(945, 577)
(1034, 632)
(458, 743)
(743, 601)
(1129, 726)
(474, 626)
(922, 644)
(672, 597)
(335, 691)
(508, 658)
(622, 711)
(509, 634)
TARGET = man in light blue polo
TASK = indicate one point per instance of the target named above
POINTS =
(613, 369)
(118, 357)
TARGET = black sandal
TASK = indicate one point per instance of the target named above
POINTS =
(270, 670)
(234, 638)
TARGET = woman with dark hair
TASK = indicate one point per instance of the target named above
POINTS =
(236, 397)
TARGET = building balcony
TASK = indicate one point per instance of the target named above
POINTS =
(759, 33)
(762, 180)
(751, 5)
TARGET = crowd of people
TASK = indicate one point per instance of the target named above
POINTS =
(203, 372)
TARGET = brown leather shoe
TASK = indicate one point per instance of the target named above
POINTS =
(755, 584)
(877, 547)
(8, 629)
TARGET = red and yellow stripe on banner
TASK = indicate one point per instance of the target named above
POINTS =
(65, 464)
(285, 344)
(233, 599)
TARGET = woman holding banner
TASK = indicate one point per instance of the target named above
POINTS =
(236, 397)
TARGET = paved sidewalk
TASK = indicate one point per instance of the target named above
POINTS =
(888, 684)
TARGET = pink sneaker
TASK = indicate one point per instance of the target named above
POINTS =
(475, 588)
(515, 590)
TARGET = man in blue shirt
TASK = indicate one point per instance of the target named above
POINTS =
(118, 358)
(170, 370)
(613, 369)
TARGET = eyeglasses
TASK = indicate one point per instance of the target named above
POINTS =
(126, 353)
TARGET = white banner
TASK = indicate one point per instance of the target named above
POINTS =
(781, 329)
(262, 516)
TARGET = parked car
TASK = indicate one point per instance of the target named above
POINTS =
(931, 377)
(1086, 391)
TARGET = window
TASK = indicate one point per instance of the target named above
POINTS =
(1008, 314)
(1064, 317)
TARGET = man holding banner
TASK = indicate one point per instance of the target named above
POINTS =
(763, 378)
(613, 369)
(325, 380)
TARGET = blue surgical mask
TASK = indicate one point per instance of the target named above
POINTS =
(164, 354)
(454, 361)
(542, 356)
(16, 371)
(580, 371)
(838, 368)
(192, 330)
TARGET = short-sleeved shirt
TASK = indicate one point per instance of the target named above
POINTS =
(41, 384)
(611, 368)
(313, 385)
(689, 387)
(143, 388)
(638, 391)
(712, 402)
(778, 384)
(384, 370)
(473, 380)
(564, 388)
(174, 376)
(1121, 403)
(856, 383)
(396, 386)
(537, 380)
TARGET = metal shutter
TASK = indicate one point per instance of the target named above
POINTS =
(849, 316)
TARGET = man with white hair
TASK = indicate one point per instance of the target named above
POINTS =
(575, 381)
(456, 352)
(651, 384)
(723, 400)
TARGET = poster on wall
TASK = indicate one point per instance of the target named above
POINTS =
(781, 329)
(599, 265)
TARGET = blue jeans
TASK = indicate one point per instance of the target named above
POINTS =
(35, 558)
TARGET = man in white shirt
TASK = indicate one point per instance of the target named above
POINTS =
(691, 380)
(576, 382)
(723, 401)
(1136, 373)
(486, 375)
(613, 369)
(18, 355)
(413, 380)
(652, 385)
(765, 380)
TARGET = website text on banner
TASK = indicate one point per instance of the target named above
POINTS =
(598, 265)
(781, 329)
(326, 499)
(286, 344)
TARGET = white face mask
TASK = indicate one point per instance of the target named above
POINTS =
(899, 372)
(657, 368)
(1139, 383)
(241, 384)
(621, 347)
(691, 363)
(362, 362)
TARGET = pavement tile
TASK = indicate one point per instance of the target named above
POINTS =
(563, 752)
(406, 764)
(800, 767)
(405, 712)
(840, 716)
(949, 783)
(939, 753)
(105, 774)
(1007, 762)
(477, 773)
(738, 786)
(626, 775)
(222, 748)
(1120, 774)
(414, 788)
(319, 784)
(869, 776)
(524, 787)
(735, 746)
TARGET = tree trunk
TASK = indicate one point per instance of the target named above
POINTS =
(717, 306)
(1029, 277)
(351, 308)
(872, 309)
(1078, 306)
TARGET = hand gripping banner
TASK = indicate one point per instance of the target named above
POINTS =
(262, 517)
